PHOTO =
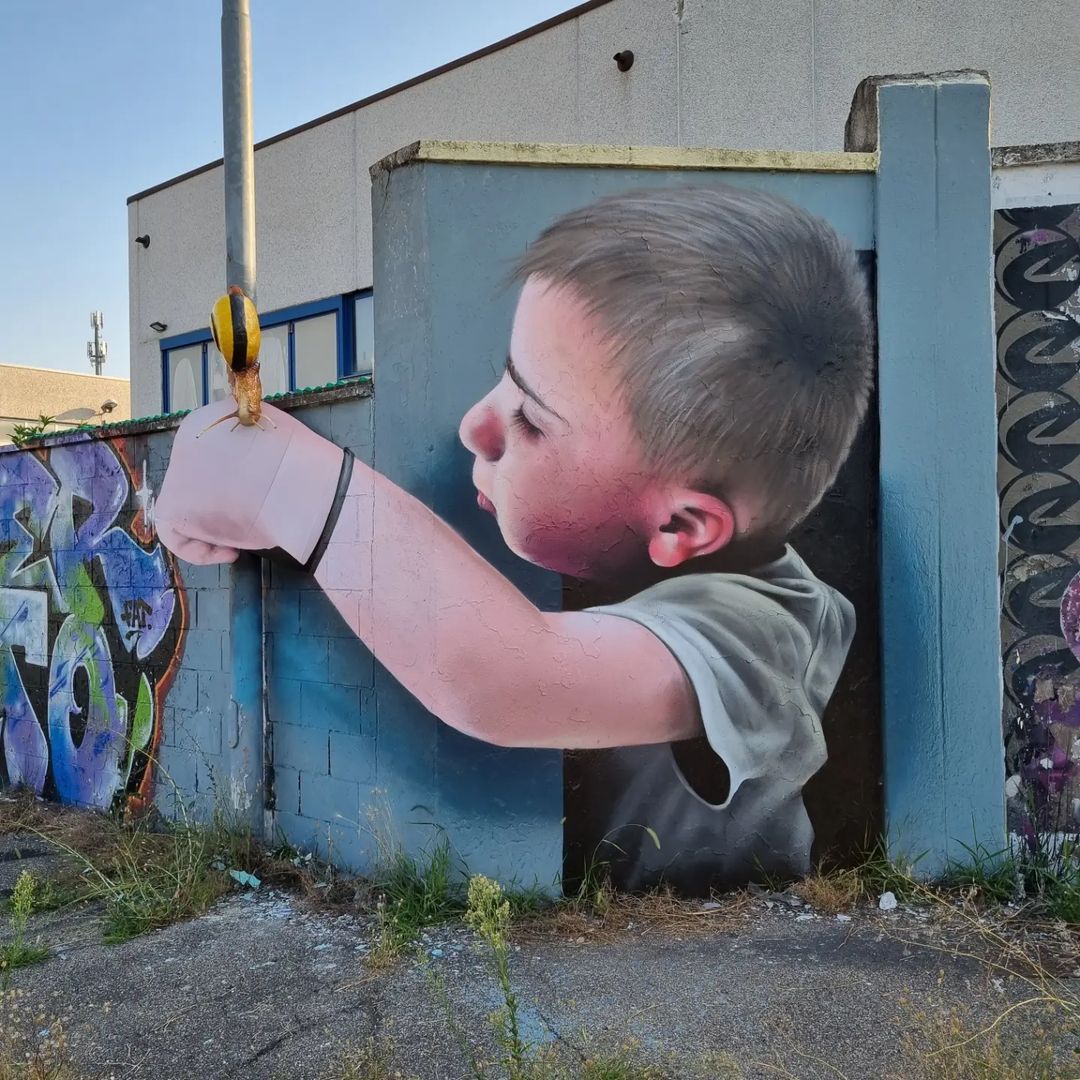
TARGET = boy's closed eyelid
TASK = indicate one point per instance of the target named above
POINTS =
(524, 423)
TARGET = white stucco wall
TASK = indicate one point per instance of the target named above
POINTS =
(1048, 184)
(737, 73)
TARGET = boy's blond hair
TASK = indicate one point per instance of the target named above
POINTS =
(743, 326)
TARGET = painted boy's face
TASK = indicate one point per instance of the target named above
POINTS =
(557, 460)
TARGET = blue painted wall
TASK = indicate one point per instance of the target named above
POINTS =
(321, 694)
(445, 237)
(944, 760)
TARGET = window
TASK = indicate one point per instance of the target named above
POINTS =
(315, 350)
(364, 330)
(215, 370)
(186, 377)
(274, 359)
(308, 345)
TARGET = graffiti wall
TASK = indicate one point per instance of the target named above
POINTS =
(91, 617)
(1037, 254)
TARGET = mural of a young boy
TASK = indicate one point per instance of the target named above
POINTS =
(687, 371)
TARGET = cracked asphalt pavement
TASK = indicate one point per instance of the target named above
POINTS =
(264, 985)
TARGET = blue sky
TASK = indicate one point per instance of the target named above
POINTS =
(100, 99)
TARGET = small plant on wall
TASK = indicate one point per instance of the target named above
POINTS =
(21, 434)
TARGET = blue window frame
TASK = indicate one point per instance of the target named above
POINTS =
(300, 346)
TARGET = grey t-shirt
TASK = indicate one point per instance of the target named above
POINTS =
(763, 652)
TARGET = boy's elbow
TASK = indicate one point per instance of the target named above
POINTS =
(503, 738)
(493, 729)
(493, 719)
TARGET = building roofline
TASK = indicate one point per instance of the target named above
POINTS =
(64, 371)
(641, 157)
(487, 50)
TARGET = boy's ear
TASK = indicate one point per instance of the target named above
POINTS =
(689, 525)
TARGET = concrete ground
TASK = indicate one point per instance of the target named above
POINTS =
(266, 986)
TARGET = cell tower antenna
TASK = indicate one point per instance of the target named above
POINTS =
(97, 349)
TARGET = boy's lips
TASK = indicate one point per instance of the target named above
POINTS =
(484, 502)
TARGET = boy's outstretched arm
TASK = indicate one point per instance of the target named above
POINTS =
(453, 630)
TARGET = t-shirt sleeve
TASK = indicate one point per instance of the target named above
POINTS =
(762, 661)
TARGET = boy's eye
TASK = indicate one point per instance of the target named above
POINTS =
(525, 425)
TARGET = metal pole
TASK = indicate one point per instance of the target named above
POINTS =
(239, 133)
(247, 783)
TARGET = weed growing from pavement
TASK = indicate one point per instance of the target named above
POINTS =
(31, 1047)
(944, 1042)
(148, 872)
(831, 893)
(1045, 880)
(1043, 872)
(18, 952)
(413, 893)
(148, 878)
(369, 1061)
(489, 915)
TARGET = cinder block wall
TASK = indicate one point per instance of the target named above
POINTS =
(99, 607)
(197, 706)
(321, 691)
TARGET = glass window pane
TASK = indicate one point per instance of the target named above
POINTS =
(315, 341)
(364, 361)
(274, 359)
(219, 376)
(185, 378)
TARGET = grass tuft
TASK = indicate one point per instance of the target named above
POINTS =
(413, 893)
(147, 873)
(369, 1061)
(831, 892)
(995, 877)
(945, 1043)
(618, 1066)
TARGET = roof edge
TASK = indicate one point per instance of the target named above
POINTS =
(65, 371)
(461, 61)
(641, 157)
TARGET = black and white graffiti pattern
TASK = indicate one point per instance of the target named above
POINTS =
(1037, 257)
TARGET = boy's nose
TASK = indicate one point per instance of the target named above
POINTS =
(482, 432)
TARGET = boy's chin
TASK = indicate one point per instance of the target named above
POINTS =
(619, 565)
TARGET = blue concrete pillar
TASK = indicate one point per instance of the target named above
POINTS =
(942, 736)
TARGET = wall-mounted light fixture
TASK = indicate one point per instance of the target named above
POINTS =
(144, 240)
(624, 60)
(160, 327)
